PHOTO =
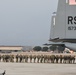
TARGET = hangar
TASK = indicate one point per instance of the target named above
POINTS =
(9, 49)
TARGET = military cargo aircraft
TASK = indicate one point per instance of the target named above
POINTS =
(63, 25)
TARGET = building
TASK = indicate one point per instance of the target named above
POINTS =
(9, 49)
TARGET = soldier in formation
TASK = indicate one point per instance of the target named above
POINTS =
(26, 58)
(45, 58)
(30, 58)
(11, 58)
(38, 58)
(61, 58)
(17, 56)
(57, 58)
(65, 59)
(41, 58)
(34, 57)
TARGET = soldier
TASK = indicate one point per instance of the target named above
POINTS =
(52, 58)
(65, 59)
(3, 57)
(0, 58)
(68, 59)
(45, 58)
(57, 58)
(23, 58)
(61, 58)
(41, 58)
(7, 58)
(27, 58)
(34, 58)
(73, 58)
(20, 58)
(17, 56)
(48, 59)
(30, 58)
(38, 58)
(12, 58)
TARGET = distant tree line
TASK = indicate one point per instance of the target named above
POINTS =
(39, 48)
(51, 48)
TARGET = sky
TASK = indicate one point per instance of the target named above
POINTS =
(26, 22)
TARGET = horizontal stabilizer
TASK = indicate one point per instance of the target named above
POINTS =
(70, 40)
(56, 44)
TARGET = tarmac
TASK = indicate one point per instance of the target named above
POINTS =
(38, 69)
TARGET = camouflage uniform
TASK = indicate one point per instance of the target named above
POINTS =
(48, 58)
(26, 59)
(23, 58)
(12, 58)
(20, 58)
(57, 58)
(3, 57)
(45, 58)
(34, 58)
(61, 58)
(38, 58)
(73, 59)
(30, 58)
(41, 58)
(68, 59)
(65, 59)
(17, 56)
(7, 58)
(0, 58)
(52, 58)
